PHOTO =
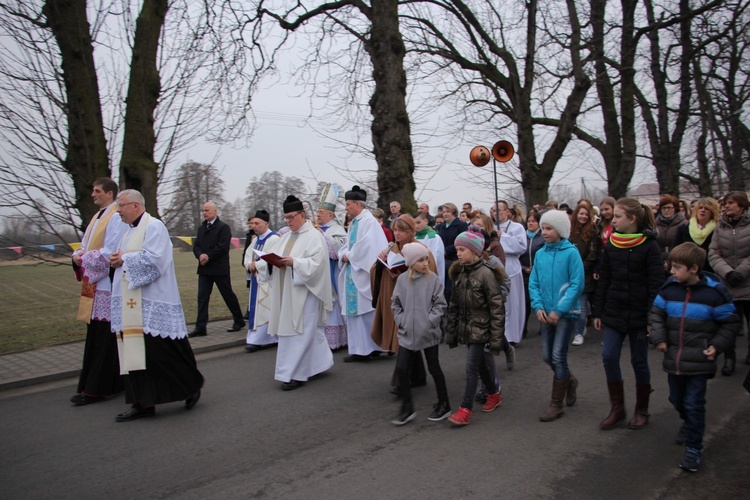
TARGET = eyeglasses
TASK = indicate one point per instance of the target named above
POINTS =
(126, 204)
(667, 207)
(289, 218)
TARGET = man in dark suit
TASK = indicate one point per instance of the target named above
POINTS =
(211, 248)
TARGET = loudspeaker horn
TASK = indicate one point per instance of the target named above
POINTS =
(502, 151)
(480, 156)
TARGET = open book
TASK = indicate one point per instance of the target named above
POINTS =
(395, 262)
(269, 257)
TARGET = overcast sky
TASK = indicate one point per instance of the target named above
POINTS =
(282, 142)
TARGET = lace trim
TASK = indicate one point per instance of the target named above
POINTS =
(331, 254)
(336, 336)
(159, 319)
(102, 306)
(140, 270)
(95, 266)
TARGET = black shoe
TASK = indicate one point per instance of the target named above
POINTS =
(440, 411)
(405, 416)
(83, 400)
(197, 333)
(192, 400)
(135, 413)
(355, 358)
(236, 326)
(246, 316)
(375, 354)
(290, 386)
(728, 367)
(395, 390)
(252, 348)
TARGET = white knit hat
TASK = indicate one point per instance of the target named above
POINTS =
(559, 220)
(412, 252)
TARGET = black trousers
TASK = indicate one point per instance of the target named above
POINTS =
(405, 363)
(205, 287)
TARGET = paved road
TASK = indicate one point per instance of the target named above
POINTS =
(332, 439)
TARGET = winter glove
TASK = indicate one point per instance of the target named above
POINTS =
(734, 278)
(496, 347)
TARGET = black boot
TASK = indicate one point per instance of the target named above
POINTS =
(440, 410)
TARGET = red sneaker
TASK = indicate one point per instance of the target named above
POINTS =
(493, 401)
(461, 417)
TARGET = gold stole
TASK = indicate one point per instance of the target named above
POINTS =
(93, 240)
(130, 344)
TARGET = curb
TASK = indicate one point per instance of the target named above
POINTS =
(51, 377)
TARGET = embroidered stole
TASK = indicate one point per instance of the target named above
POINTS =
(93, 239)
(130, 344)
(352, 295)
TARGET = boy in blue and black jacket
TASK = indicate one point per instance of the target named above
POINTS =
(692, 320)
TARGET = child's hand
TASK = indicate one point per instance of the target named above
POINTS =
(661, 347)
(541, 316)
(553, 318)
(598, 323)
(710, 352)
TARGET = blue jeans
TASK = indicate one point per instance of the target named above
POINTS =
(477, 366)
(555, 341)
(612, 349)
(687, 393)
(584, 317)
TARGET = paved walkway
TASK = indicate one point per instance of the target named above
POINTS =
(64, 361)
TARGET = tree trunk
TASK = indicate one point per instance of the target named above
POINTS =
(86, 158)
(138, 170)
(391, 131)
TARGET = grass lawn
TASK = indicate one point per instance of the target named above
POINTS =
(39, 302)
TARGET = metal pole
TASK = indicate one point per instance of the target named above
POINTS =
(497, 206)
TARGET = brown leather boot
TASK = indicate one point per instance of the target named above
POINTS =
(617, 412)
(570, 395)
(555, 409)
(640, 417)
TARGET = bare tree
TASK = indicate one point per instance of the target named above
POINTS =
(268, 192)
(158, 78)
(722, 81)
(374, 27)
(498, 72)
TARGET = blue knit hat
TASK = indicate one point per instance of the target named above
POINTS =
(471, 239)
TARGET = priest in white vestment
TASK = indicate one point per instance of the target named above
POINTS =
(147, 317)
(259, 309)
(100, 374)
(366, 240)
(301, 299)
(335, 236)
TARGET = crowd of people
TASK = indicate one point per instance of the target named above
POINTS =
(676, 276)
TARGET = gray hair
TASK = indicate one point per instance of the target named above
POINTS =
(133, 195)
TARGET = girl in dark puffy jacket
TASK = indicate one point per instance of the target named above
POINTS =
(630, 275)
(476, 318)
